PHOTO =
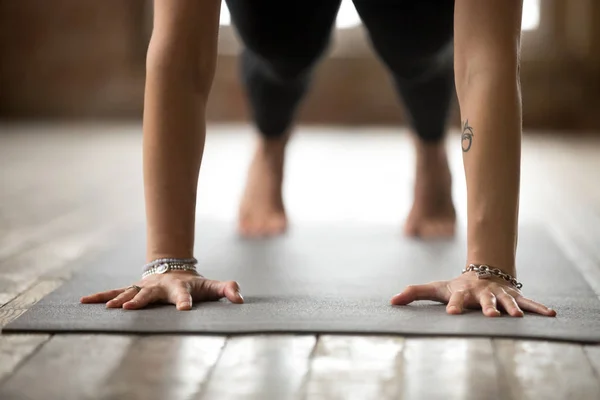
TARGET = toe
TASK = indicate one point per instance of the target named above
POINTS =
(249, 228)
(276, 225)
(244, 228)
(410, 228)
(430, 229)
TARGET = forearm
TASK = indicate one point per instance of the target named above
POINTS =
(491, 112)
(174, 130)
(180, 68)
(487, 46)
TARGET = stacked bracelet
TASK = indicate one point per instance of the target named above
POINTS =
(486, 272)
(171, 260)
(164, 265)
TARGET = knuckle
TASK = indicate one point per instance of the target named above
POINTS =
(201, 285)
(182, 284)
(153, 291)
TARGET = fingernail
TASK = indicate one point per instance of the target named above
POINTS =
(185, 304)
(453, 308)
(240, 296)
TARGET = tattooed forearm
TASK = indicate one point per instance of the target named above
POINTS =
(467, 137)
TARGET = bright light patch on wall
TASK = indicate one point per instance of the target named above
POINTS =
(348, 17)
(531, 15)
(225, 18)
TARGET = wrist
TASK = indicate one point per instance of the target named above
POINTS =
(504, 264)
(492, 244)
(173, 244)
(493, 255)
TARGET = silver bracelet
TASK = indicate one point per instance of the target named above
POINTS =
(170, 261)
(166, 267)
(485, 272)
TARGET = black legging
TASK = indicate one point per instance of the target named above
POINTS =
(283, 40)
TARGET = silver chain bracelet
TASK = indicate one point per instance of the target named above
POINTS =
(485, 272)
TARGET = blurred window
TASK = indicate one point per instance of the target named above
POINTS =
(348, 18)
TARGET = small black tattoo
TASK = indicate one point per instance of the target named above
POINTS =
(467, 137)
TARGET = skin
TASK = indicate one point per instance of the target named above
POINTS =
(181, 62)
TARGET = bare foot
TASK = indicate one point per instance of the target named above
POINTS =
(261, 211)
(432, 215)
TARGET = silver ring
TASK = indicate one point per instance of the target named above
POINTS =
(136, 287)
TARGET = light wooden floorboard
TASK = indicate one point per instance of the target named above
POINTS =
(268, 367)
(543, 370)
(163, 367)
(593, 355)
(34, 294)
(351, 367)
(68, 367)
(450, 369)
(14, 349)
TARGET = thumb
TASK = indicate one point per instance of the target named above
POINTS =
(428, 291)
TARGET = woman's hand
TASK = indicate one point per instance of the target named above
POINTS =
(175, 287)
(468, 291)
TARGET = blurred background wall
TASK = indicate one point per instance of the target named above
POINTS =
(86, 59)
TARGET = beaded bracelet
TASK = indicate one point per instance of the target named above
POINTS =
(166, 267)
(170, 260)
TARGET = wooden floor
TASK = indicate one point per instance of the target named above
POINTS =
(64, 189)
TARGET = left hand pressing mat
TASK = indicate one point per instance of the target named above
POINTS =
(324, 279)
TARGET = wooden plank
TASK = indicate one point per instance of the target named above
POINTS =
(544, 370)
(34, 294)
(68, 367)
(593, 355)
(8, 315)
(55, 260)
(16, 348)
(436, 368)
(23, 270)
(355, 367)
(261, 367)
(164, 367)
(82, 168)
(77, 226)
(8, 290)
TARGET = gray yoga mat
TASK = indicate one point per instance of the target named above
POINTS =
(324, 279)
